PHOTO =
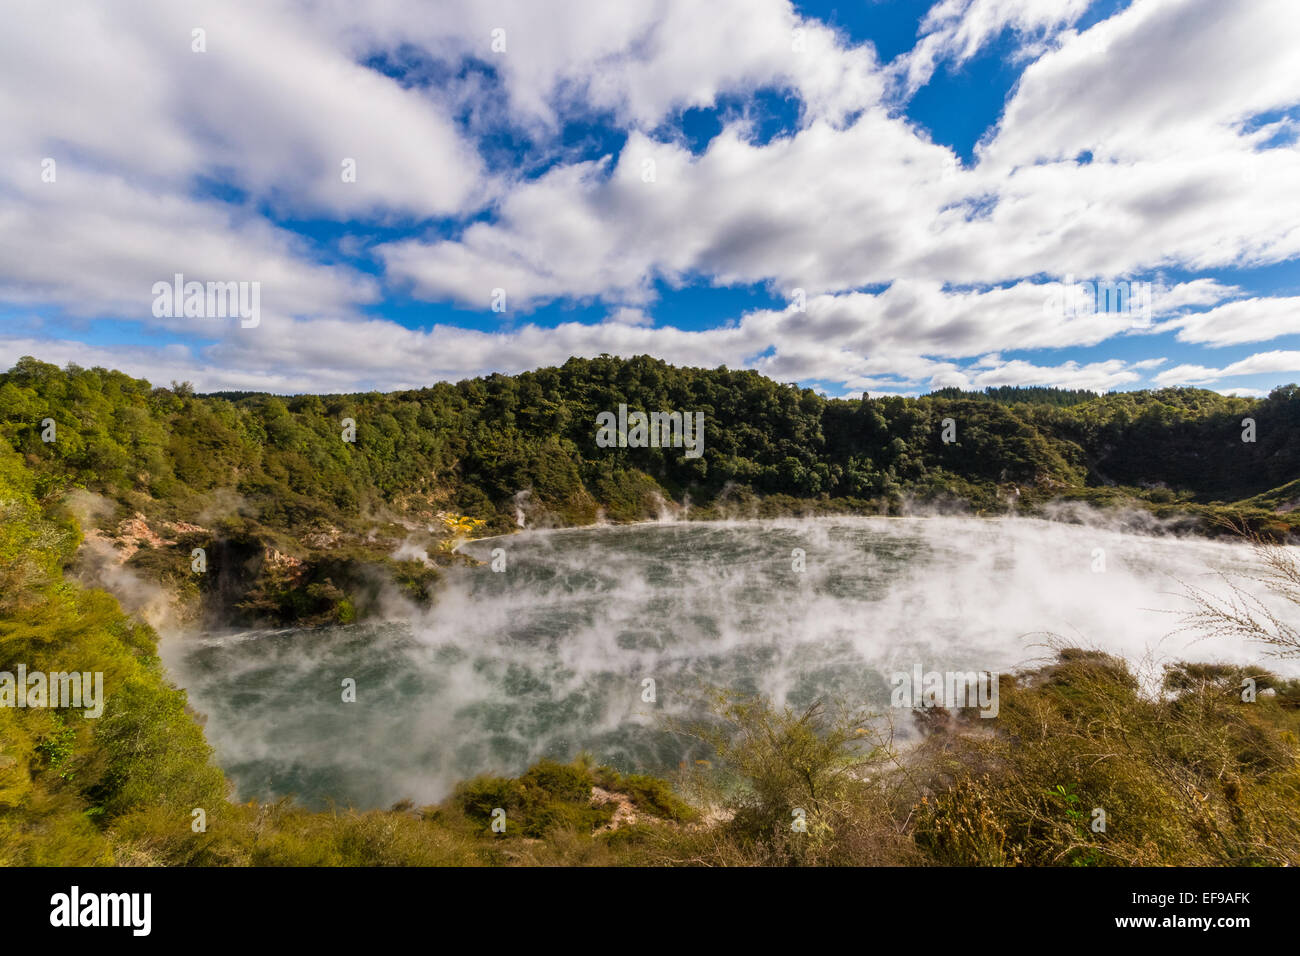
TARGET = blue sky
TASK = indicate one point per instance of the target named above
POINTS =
(879, 195)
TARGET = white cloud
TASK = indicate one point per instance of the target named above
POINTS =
(1174, 182)
(1259, 364)
(273, 105)
(630, 316)
(94, 243)
(910, 336)
(1152, 81)
(956, 30)
(640, 61)
(857, 196)
(1246, 320)
(1095, 376)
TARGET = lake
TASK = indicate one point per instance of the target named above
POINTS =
(553, 654)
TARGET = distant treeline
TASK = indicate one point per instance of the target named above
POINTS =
(473, 446)
(1009, 394)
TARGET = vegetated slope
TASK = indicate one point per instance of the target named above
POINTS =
(296, 519)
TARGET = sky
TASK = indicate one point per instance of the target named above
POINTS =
(879, 196)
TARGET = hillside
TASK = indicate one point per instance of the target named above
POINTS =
(294, 519)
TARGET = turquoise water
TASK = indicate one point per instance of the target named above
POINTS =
(551, 656)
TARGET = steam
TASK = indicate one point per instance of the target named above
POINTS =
(99, 563)
(90, 509)
(550, 656)
(223, 503)
(414, 548)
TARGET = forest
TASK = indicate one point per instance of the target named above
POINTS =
(295, 516)
(475, 445)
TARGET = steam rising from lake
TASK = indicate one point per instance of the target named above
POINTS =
(548, 658)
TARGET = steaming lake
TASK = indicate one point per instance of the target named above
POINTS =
(548, 658)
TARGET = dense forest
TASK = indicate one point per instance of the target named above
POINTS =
(292, 513)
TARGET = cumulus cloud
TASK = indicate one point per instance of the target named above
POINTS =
(95, 243)
(640, 61)
(1246, 320)
(271, 104)
(1174, 181)
(1129, 149)
(1263, 362)
(909, 335)
(956, 30)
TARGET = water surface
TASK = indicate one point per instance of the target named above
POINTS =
(550, 657)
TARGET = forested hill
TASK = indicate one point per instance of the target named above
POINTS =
(475, 445)
(1036, 394)
(277, 474)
